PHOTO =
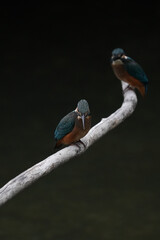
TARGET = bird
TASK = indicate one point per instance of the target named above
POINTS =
(73, 126)
(128, 70)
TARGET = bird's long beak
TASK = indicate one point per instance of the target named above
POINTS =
(83, 121)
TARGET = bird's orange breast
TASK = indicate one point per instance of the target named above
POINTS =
(123, 75)
(77, 133)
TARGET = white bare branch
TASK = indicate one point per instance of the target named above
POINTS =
(44, 167)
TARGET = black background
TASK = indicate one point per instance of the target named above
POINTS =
(53, 55)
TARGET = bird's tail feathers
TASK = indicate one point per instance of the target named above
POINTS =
(58, 145)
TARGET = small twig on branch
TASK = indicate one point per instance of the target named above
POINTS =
(44, 167)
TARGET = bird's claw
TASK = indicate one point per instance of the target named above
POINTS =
(78, 145)
(129, 87)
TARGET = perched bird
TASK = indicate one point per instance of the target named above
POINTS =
(74, 125)
(127, 70)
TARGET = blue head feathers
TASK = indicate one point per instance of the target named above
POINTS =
(83, 107)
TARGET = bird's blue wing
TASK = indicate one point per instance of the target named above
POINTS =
(135, 70)
(65, 125)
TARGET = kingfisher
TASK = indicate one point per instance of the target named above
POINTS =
(127, 70)
(74, 125)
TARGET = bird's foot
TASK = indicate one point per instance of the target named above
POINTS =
(129, 87)
(78, 144)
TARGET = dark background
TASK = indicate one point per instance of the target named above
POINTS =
(53, 55)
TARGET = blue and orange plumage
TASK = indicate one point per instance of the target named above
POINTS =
(127, 70)
(74, 125)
